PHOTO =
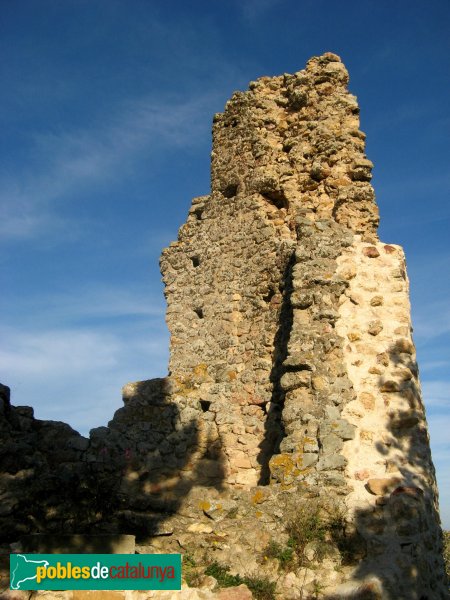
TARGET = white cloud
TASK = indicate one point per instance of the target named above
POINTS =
(74, 372)
(431, 320)
(76, 375)
(70, 161)
(439, 426)
(93, 302)
(436, 394)
(42, 354)
(18, 220)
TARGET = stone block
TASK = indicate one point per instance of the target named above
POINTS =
(381, 486)
(367, 400)
(328, 463)
(295, 379)
(340, 428)
(375, 327)
(371, 252)
(331, 444)
(390, 386)
(299, 362)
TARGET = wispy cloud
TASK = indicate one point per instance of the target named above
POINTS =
(437, 396)
(90, 302)
(431, 365)
(45, 352)
(439, 426)
(253, 9)
(432, 320)
(69, 365)
(19, 219)
(69, 162)
(76, 374)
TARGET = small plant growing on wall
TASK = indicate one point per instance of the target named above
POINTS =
(315, 530)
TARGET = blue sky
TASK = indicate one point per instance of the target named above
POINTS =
(106, 112)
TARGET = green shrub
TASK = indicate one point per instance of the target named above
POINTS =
(220, 573)
(261, 587)
(284, 554)
(192, 573)
(315, 530)
(309, 528)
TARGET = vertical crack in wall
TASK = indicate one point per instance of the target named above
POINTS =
(274, 427)
(314, 384)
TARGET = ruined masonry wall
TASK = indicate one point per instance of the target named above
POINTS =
(292, 379)
(290, 327)
(295, 140)
(393, 496)
(315, 380)
(288, 147)
(223, 280)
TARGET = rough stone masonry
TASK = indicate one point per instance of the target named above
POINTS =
(292, 377)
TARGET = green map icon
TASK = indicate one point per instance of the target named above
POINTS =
(24, 570)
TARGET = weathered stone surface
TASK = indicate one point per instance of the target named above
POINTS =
(367, 400)
(409, 490)
(77, 544)
(240, 592)
(293, 380)
(362, 475)
(200, 528)
(371, 252)
(382, 486)
(390, 386)
(376, 301)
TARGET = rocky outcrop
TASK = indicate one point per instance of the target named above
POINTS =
(292, 400)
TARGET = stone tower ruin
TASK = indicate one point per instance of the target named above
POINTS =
(290, 320)
(259, 274)
(292, 378)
